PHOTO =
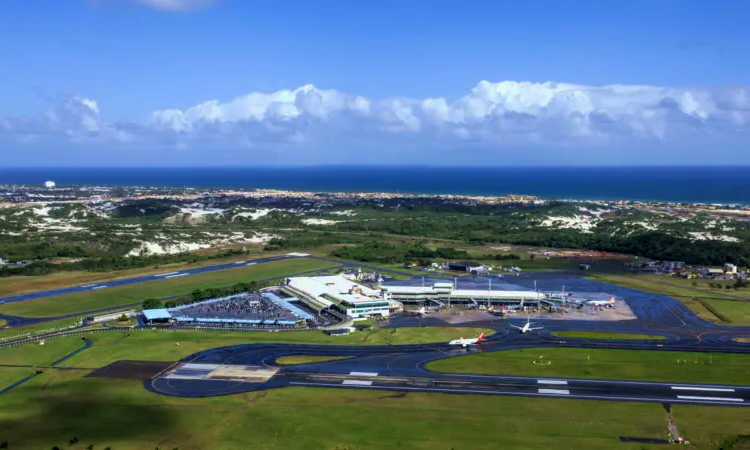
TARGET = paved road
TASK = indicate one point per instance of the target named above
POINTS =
(402, 369)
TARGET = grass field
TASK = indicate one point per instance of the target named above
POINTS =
(37, 328)
(22, 284)
(605, 335)
(718, 306)
(158, 345)
(123, 415)
(746, 340)
(110, 297)
(641, 365)
(305, 359)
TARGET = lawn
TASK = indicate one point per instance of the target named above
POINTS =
(606, 335)
(642, 365)
(37, 328)
(161, 345)
(123, 415)
(306, 359)
(122, 295)
(718, 307)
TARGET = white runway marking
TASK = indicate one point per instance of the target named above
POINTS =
(552, 382)
(178, 275)
(710, 399)
(240, 262)
(698, 388)
(251, 264)
(357, 382)
(554, 391)
(89, 285)
(165, 274)
(98, 287)
(364, 374)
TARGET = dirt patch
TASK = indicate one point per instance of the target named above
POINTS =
(133, 370)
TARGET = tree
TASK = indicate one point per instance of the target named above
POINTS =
(694, 283)
(532, 256)
(123, 318)
(153, 303)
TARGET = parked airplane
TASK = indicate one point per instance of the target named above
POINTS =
(420, 312)
(610, 302)
(467, 342)
(526, 327)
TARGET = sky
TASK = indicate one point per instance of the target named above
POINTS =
(235, 82)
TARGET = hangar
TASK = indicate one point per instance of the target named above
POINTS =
(466, 266)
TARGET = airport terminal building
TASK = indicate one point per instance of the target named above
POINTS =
(445, 294)
(336, 293)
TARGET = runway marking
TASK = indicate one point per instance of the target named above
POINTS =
(89, 285)
(98, 287)
(697, 388)
(357, 383)
(710, 399)
(251, 264)
(178, 275)
(240, 262)
(554, 391)
(552, 381)
(364, 374)
(166, 274)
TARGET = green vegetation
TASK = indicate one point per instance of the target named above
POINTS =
(606, 335)
(93, 264)
(641, 365)
(39, 327)
(384, 252)
(116, 296)
(123, 415)
(306, 359)
(719, 307)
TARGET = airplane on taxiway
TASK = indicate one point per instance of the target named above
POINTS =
(526, 327)
(467, 342)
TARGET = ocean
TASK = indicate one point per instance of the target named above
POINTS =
(725, 185)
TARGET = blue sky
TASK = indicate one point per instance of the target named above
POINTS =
(133, 82)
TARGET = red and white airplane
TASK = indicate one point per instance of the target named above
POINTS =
(467, 342)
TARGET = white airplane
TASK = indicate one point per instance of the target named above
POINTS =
(526, 327)
(467, 342)
(420, 312)
(609, 302)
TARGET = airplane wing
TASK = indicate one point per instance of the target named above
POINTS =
(537, 328)
(515, 326)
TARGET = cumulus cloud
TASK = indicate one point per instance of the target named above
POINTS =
(177, 5)
(492, 113)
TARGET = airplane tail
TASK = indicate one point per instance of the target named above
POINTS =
(481, 338)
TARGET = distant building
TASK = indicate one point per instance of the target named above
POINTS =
(3, 261)
(584, 266)
(466, 266)
(730, 268)
(709, 272)
(49, 184)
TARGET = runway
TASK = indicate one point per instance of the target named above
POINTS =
(136, 280)
(402, 369)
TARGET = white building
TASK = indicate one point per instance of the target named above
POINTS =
(443, 293)
(730, 268)
(49, 184)
(339, 294)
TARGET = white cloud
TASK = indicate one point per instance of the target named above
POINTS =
(177, 5)
(504, 113)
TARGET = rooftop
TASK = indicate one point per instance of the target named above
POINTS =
(156, 314)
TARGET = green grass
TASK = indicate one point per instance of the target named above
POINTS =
(40, 355)
(3, 322)
(31, 330)
(305, 359)
(160, 345)
(642, 365)
(719, 307)
(124, 415)
(10, 375)
(606, 335)
(111, 297)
